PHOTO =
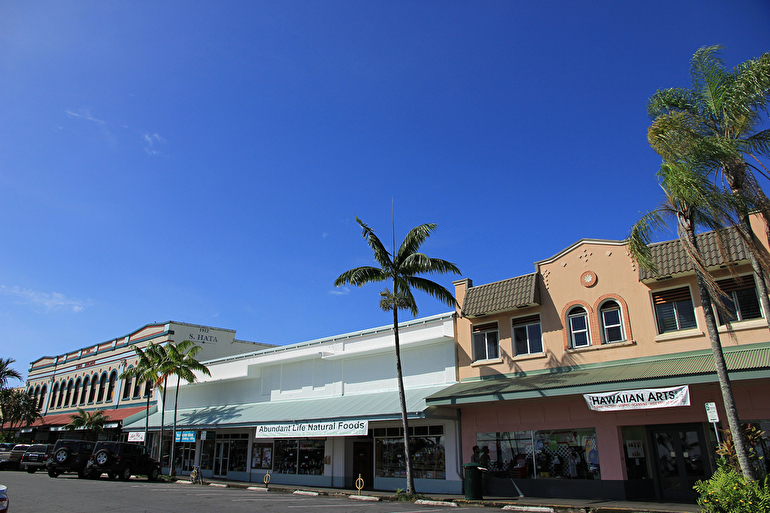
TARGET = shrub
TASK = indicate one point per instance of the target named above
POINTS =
(729, 492)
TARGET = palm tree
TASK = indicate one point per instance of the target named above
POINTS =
(401, 270)
(147, 369)
(713, 126)
(92, 421)
(692, 202)
(6, 372)
(180, 362)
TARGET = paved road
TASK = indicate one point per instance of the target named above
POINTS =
(36, 493)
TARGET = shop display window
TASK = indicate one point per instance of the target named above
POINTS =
(427, 448)
(262, 456)
(552, 454)
(299, 457)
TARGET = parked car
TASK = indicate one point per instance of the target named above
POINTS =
(69, 456)
(36, 457)
(11, 459)
(121, 459)
(4, 499)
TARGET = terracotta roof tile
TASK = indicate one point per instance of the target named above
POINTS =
(501, 296)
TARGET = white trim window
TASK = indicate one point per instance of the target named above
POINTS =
(612, 322)
(486, 342)
(579, 335)
(527, 335)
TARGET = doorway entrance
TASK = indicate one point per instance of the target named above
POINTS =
(362, 464)
(680, 457)
(221, 458)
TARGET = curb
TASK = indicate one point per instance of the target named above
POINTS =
(446, 504)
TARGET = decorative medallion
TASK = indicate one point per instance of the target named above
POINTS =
(588, 279)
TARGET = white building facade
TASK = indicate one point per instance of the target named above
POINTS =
(323, 413)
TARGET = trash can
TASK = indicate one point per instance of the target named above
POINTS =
(474, 486)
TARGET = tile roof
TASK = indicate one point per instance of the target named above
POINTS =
(748, 362)
(501, 296)
(670, 257)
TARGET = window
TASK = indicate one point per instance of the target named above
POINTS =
(68, 394)
(527, 335)
(54, 395)
(578, 327)
(486, 343)
(111, 385)
(612, 322)
(94, 384)
(127, 386)
(427, 449)
(742, 302)
(552, 454)
(299, 456)
(84, 394)
(102, 387)
(674, 310)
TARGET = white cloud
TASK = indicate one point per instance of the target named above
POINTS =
(52, 301)
(338, 292)
(86, 116)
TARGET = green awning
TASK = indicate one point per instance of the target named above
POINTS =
(374, 406)
(748, 362)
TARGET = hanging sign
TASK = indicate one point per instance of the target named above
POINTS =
(136, 436)
(303, 429)
(185, 436)
(641, 399)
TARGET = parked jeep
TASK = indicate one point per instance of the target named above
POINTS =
(122, 459)
(11, 458)
(36, 457)
(70, 456)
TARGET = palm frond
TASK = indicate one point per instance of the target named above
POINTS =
(413, 240)
(362, 276)
(381, 254)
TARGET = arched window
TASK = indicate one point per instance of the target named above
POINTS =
(137, 388)
(43, 392)
(612, 322)
(54, 395)
(111, 386)
(102, 387)
(127, 385)
(37, 394)
(84, 394)
(76, 392)
(577, 320)
(68, 394)
(94, 384)
(62, 391)
(147, 387)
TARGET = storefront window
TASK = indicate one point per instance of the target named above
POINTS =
(238, 455)
(262, 456)
(299, 456)
(207, 451)
(555, 454)
(427, 448)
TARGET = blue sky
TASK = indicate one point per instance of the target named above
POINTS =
(204, 161)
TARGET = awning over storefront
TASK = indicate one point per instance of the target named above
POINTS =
(374, 406)
(124, 415)
(748, 362)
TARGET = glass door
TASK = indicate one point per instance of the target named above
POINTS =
(680, 460)
(221, 458)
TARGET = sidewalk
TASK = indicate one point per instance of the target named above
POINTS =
(519, 504)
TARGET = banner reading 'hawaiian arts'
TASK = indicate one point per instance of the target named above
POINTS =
(639, 399)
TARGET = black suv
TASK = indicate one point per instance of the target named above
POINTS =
(122, 459)
(36, 457)
(70, 456)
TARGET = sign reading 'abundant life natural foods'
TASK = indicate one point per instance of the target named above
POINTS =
(303, 429)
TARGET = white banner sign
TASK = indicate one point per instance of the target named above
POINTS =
(137, 436)
(305, 429)
(639, 399)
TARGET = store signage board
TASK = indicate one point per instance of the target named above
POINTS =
(185, 436)
(136, 436)
(313, 429)
(640, 399)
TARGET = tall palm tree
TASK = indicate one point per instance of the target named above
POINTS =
(714, 125)
(693, 202)
(181, 362)
(401, 270)
(92, 421)
(7, 372)
(18, 408)
(147, 369)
